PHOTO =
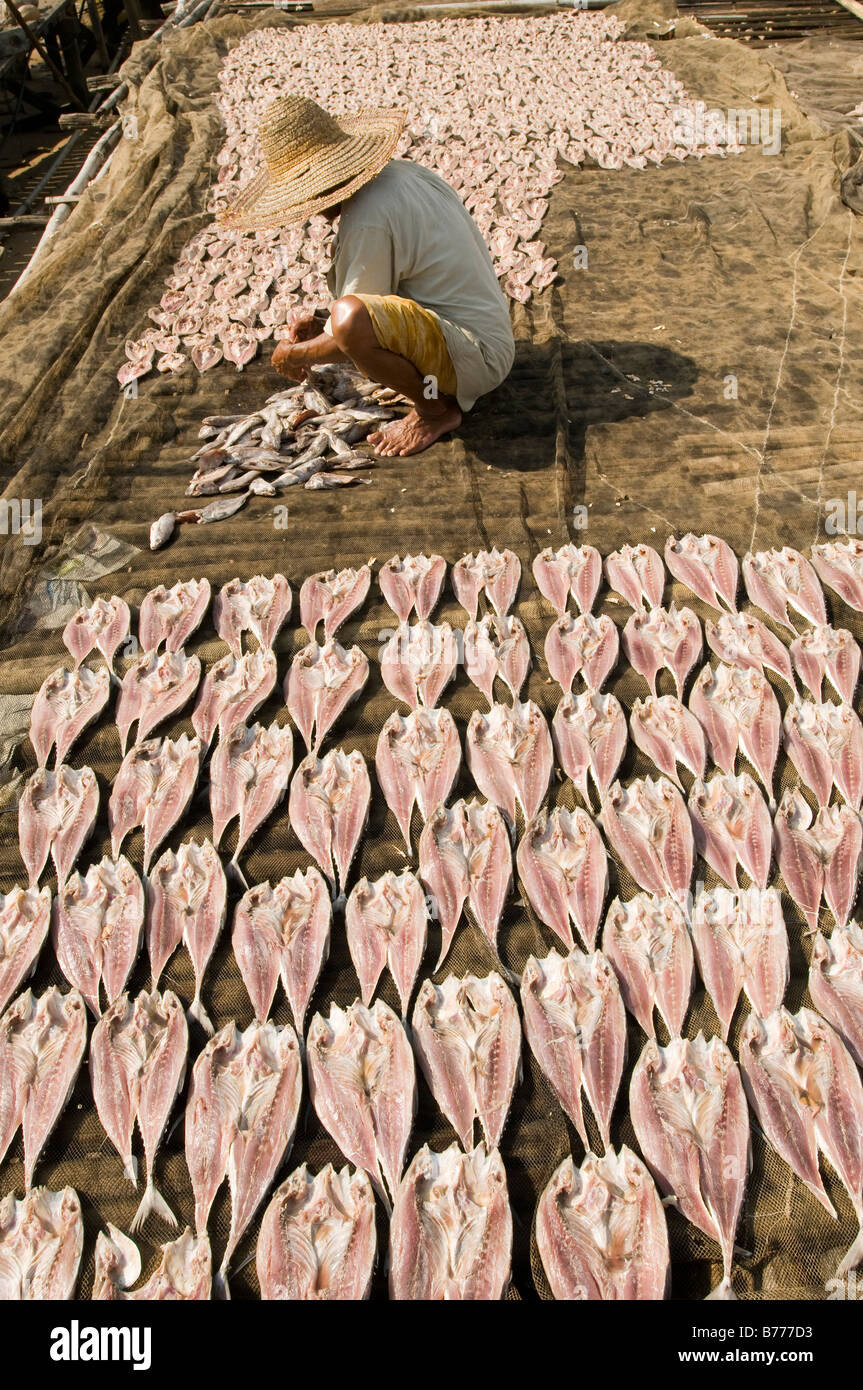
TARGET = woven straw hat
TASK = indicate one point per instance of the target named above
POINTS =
(311, 161)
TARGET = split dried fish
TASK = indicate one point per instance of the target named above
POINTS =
(575, 570)
(741, 943)
(575, 1024)
(417, 760)
(589, 736)
(411, 584)
(320, 685)
(636, 572)
(41, 1241)
(647, 942)
(563, 866)
(386, 924)
(736, 707)
(186, 893)
(242, 1111)
(818, 858)
(418, 663)
(584, 645)
(328, 808)
(647, 826)
(738, 639)
(825, 744)
(467, 1037)
(283, 932)
(56, 812)
(97, 929)
(63, 706)
(330, 598)
(464, 855)
(152, 789)
(154, 687)
(232, 690)
(731, 824)
(496, 573)
(664, 638)
(137, 1066)
(363, 1087)
(25, 915)
(776, 578)
(831, 652)
(451, 1229)
(317, 1240)
(42, 1041)
(496, 647)
(184, 1273)
(836, 983)
(669, 734)
(172, 615)
(510, 756)
(260, 606)
(103, 626)
(707, 565)
(249, 774)
(690, 1118)
(839, 565)
(808, 1098)
(601, 1232)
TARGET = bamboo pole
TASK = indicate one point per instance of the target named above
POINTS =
(43, 53)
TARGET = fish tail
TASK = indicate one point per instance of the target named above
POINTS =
(152, 1201)
(854, 1256)
(197, 1012)
(723, 1292)
(220, 1286)
(130, 1168)
(235, 867)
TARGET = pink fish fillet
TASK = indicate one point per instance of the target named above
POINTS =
(667, 638)
(231, 692)
(317, 1239)
(260, 606)
(496, 573)
(41, 1241)
(509, 753)
(496, 647)
(411, 584)
(444, 867)
(589, 736)
(363, 1087)
(42, 1042)
(249, 774)
(320, 685)
(417, 760)
(831, 652)
(283, 931)
(808, 1098)
(825, 744)
(776, 578)
(636, 572)
(451, 1230)
(563, 866)
(97, 929)
(104, 626)
(137, 1065)
(244, 1101)
(738, 639)
(66, 702)
(152, 789)
(328, 809)
(731, 824)
(584, 645)
(386, 924)
(689, 1114)
(666, 731)
(186, 896)
(707, 565)
(648, 828)
(601, 1231)
(418, 663)
(467, 1037)
(647, 942)
(572, 569)
(575, 1024)
(172, 615)
(741, 942)
(330, 598)
(736, 707)
(183, 1275)
(839, 565)
(25, 915)
(836, 983)
(154, 687)
(56, 812)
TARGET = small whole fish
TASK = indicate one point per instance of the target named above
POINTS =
(386, 923)
(465, 855)
(575, 570)
(363, 1087)
(689, 1113)
(63, 706)
(836, 983)
(601, 1231)
(184, 1272)
(56, 813)
(451, 1229)
(97, 925)
(318, 1239)
(249, 774)
(319, 686)
(509, 753)
(589, 737)
(412, 584)
(137, 1064)
(186, 897)
(563, 866)
(741, 943)
(665, 730)
(776, 578)
(736, 706)
(575, 1024)
(260, 606)
(496, 647)
(707, 566)
(584, 646)
(153, 688)
(42, 1041)
(328, 808)
(665, 638)
(467, 1038)
(839, 565)
(636, 572)
(647, 942)
(739, 639)
(731, 825)
(418, 663)
(162, 530)
(25, 916)
(283, 932)
(103, 626)
(170, 616)
(232, 690)
(825, 744)
(496, 573)
(41, 1241)
(152, 789)
(648, 828)
(330, 598)
(417, 761)
(808, 1098)
(827, 651)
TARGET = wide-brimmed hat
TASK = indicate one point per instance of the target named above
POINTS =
(311, 161)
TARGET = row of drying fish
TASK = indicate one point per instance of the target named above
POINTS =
(495, 137)
(305, 435)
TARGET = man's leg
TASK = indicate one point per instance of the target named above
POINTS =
(353, 332)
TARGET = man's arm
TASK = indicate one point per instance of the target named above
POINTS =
(293, 360)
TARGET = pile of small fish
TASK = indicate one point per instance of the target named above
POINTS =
(305, 434)
(492, 105)
(600, 1226)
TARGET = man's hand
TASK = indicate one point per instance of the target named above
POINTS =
(301, 325)
(291, 360)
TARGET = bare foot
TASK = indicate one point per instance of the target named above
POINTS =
(414, 433)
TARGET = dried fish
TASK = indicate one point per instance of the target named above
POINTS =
(97, 929)
(25, 915)
(41, 1240)
(564, 869)
(575, 570)
(820, 857)
(260, 606)
(669, 734)
(496, 573)
(776, 578)
(249, 775)
(584, 645)
(647, 941)
(496, 647)
(330, 598)
(636, 572)
(418, 662)
(412, 583)
(648, 827)
(707, 565)
(509, 753)
(154, 687)
(839, 565)
(329, 807)
(232, 690)
(735, 707)
(386, 924)
(184, 1273)
(825, 744)
(589, 736)
(42, 1042)
(731, 825)
(63, 706)
(283, 932)
(741, 943)
(186, 893)
(836, 983)
(464, 855)
(665, 638)
(738, 639)
(417, 760)
(320, 685)
(56, 812)
(103, 626)
(831, 652)
(317, 1238)
(152, 789)
(172, 615)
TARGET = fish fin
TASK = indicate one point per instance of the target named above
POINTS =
(233, 865)
(854, 1256)
(130, 1169)
(152, 1201)
(722, 1293)
(220, 1286)
(197, 1012)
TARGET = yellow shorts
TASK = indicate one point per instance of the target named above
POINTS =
(403, 326)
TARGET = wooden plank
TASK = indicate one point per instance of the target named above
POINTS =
(27, 219)
(854, 6)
